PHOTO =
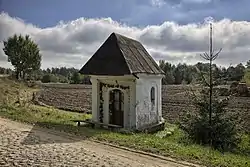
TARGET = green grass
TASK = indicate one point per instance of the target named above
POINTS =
(12, 91)
(174, 146)
(36, 114)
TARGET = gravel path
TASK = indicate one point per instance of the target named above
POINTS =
(24, 145)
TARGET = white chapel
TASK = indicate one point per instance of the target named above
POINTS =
(126, 84)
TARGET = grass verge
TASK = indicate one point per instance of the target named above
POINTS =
(170, 145)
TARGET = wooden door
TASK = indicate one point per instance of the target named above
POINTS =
(116, 107)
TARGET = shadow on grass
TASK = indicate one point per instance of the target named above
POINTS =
(48, 133)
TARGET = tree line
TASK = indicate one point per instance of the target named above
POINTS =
(63, 75)
(54, 74)
(186, 74)
(174, 74)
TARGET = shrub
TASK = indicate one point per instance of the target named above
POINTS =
(76, 78)
(247, 77)
(63, 79)
(49, 78)
(221, 133)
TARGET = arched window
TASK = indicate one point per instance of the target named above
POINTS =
(152, 96)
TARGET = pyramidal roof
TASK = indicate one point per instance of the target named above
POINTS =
(120, 55)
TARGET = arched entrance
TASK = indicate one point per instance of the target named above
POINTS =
(116, 107)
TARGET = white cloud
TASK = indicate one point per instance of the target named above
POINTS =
(197, 1)
(157, 3)
(72, 43)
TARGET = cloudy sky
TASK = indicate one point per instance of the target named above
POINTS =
(69, 32)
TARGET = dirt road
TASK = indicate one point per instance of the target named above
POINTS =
(24, 145)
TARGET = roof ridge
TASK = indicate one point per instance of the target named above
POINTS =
(126, 37)
(122, 53)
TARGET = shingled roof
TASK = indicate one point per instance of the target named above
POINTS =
(120, 55)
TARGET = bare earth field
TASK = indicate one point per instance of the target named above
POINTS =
(26, 145)
(174, 100)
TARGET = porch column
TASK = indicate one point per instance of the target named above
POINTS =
(95, 99)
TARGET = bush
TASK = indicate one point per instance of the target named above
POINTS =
(63, 79)
(49, 78)
(247, 77)
(223, 127)
(76, 78)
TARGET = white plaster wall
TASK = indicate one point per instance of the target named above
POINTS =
(132, 114)
(129, 99)
(138, 111)
(145, 114)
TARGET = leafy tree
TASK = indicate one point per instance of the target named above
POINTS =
(247, 76)
(49, 78)
(5, 70)
(23, 54)
(63, 74)
(248, 64)
(224, 74)
(169, 78)
(36, 75)
(202, 66)
(239, 72)
(211, 124)
(46, 78)
(188, 76)
(62, 79)
(2, 70)
(48, 71)
(76, 78)
(178, 75)
(236, 73)
(168, 70)
(188, 73)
